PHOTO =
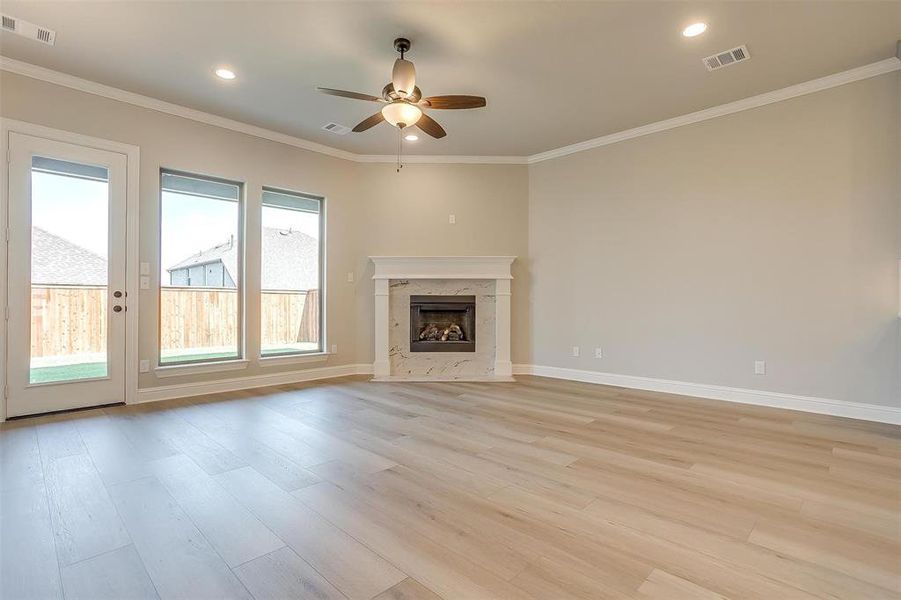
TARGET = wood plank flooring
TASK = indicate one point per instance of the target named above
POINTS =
(545, 489)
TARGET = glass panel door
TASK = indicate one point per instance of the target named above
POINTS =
(66, 276)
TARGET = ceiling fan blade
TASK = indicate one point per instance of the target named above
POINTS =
(430, 126)
(346, 94)
(454, 101)
(369, 122)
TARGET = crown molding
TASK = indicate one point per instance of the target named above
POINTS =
(787, 93)
(793, 91)
(436, 159)
(98, 89)
(91, 87)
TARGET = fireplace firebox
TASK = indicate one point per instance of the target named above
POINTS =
(442, 323)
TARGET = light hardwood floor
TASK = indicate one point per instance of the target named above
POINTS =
(535, 489)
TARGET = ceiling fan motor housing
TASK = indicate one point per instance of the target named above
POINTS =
(403, 77)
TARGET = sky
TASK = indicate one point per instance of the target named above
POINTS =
(78, 210)
(72, 208)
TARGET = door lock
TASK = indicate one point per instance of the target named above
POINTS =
(117, 308)
(117, 294)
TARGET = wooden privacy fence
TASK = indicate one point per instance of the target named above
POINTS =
(73, 319)
(68, 320)
(289, 317)
(195, 317)
(286, 317)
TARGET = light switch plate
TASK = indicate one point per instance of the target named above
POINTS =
(598, 353)
(760, 367)
(144, 366)
(350, 277)
(576, 351)
(452, 219)
(145, 268)
(145, 282)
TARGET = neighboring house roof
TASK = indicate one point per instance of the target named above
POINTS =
(227, 253)
(290, 263)
(56, 260)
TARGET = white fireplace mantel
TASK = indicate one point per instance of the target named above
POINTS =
(496, 268)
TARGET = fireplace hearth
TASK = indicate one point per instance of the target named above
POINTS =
(442, 323)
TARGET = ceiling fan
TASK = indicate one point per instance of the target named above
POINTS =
(403, 101)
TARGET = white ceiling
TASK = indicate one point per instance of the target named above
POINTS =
(554, 73)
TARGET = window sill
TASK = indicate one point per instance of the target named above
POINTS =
(197, 369)
(293, 359)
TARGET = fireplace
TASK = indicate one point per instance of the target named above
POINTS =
(442, 323)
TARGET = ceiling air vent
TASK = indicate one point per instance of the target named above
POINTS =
(336, 129)
(724, 59)
(29, 30)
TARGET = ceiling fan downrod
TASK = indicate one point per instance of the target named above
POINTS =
(402, 45)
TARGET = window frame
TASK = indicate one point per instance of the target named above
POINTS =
(322, 350)
(239, 360)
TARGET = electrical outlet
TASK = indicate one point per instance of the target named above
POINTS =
(350, 277)
(334, 348)
(576, 351)
(760, 367)
(144, 366)
(452, 219)
(598, 353)
(145, 282)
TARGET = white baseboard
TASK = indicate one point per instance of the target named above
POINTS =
(823, 406)
(184, 390)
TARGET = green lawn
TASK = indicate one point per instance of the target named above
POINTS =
(67, 372)
(98, 369)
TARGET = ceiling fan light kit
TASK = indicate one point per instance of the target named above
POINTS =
(401, 113)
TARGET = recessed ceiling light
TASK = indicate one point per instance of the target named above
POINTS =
(411, 138)
(223, 73)
(694, 29)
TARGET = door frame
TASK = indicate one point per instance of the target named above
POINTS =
(132, 260)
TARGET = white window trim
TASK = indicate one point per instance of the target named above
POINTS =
(199, 368)
(274, 360)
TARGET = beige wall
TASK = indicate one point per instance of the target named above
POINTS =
(482, 197)
(770, 234)
(408, 215)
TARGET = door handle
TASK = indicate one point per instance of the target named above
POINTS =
(117, 308)
(117, 294)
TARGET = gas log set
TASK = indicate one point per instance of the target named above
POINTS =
(442, 323)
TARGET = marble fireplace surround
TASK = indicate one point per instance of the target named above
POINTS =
(396, 270)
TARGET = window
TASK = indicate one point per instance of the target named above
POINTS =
(291, 290)
(201, 269)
